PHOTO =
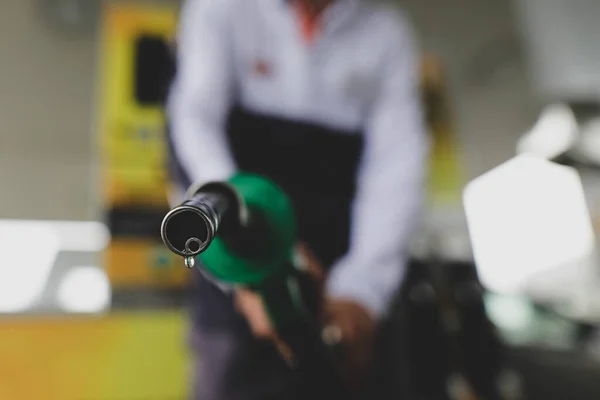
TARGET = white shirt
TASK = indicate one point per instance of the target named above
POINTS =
(360, 74)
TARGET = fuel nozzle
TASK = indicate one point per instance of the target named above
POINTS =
(189, 229)
(243, 229)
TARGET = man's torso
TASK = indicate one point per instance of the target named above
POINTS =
(331, 80)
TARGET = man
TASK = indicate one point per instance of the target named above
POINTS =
(322, 97)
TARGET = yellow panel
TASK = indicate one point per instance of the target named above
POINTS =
(446, 178)
(119, 192)
(116, 357)
(128, 19)
(137, 262)
(135, 153)
(131, 135)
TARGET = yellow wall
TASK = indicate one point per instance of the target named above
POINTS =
(133, 151)
(115, 357)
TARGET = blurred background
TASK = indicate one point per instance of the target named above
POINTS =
(92, 305)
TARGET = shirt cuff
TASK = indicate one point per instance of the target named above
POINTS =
(374, 287)
(225, 287)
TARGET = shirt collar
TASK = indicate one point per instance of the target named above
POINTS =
(337, 13)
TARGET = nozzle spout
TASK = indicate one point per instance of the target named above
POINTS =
(188, 229)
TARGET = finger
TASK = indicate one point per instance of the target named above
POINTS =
(349, 331)
(285, 351)
(251, 306)
(332, 335)
(309, 261)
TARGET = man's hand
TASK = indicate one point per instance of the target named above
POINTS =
(250, 304)
(354, 323)
(357, 333)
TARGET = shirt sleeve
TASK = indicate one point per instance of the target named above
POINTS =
(390, 186)
(202, 93)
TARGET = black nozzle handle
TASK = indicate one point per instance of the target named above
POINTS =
(188, 229)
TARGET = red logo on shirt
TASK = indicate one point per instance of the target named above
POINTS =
(262, 68)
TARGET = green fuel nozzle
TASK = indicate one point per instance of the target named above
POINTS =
(242, 230)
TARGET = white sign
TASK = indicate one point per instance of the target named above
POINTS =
(525, 217)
